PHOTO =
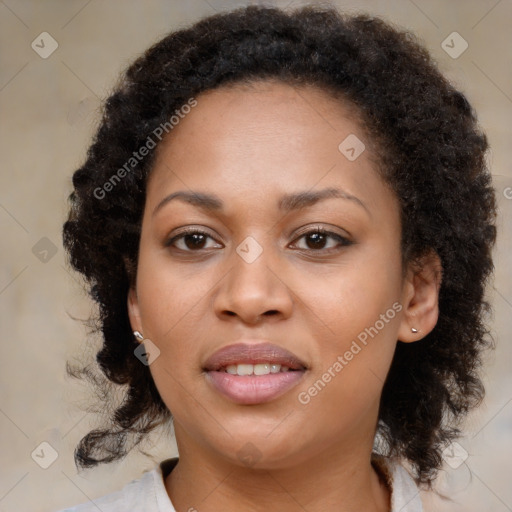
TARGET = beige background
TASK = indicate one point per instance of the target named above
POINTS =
(48, 114)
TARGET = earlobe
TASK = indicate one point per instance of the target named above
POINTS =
(421, 299)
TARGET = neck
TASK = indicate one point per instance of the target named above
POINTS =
(340, 480)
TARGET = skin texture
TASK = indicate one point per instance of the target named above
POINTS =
(249, 145)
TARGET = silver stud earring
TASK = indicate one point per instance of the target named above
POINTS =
(138, 335)
(414, 330)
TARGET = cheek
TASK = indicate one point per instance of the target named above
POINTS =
(347, 378)
(170, 315)
(360, 307)
(167, 296)
(175, 324)
(353, 296)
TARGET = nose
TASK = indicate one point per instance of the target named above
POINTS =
(254, 289)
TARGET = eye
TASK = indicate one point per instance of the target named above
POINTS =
(317, 239)
(193, 239)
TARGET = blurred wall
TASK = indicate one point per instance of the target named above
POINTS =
(48, 111)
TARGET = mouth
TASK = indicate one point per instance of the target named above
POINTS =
(266, 368)
(249, 374)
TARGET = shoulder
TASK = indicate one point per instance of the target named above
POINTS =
(145, 494)
(405, 495)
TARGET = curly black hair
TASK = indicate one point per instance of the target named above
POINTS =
(431, 152)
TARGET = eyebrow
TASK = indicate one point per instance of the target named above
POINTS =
(286, 204)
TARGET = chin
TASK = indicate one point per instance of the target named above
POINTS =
(260, 452)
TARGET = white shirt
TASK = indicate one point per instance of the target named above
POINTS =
(148, 493)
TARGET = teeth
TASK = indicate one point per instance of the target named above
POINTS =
(244, 369)
(255, 369)
(261, 369)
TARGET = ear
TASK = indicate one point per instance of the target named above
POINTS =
(420, 298)
(133, 310)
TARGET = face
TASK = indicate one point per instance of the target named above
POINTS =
(276, 259)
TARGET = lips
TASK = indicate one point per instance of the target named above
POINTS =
(253, 388)
(245, 353)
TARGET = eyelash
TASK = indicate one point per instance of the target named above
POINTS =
(344, 242)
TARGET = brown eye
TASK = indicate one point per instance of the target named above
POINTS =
(317, 239)
(191, 240)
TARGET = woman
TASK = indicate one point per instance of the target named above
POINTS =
(287, 221)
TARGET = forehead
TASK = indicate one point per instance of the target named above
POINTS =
(262, 139)
(239, 117)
